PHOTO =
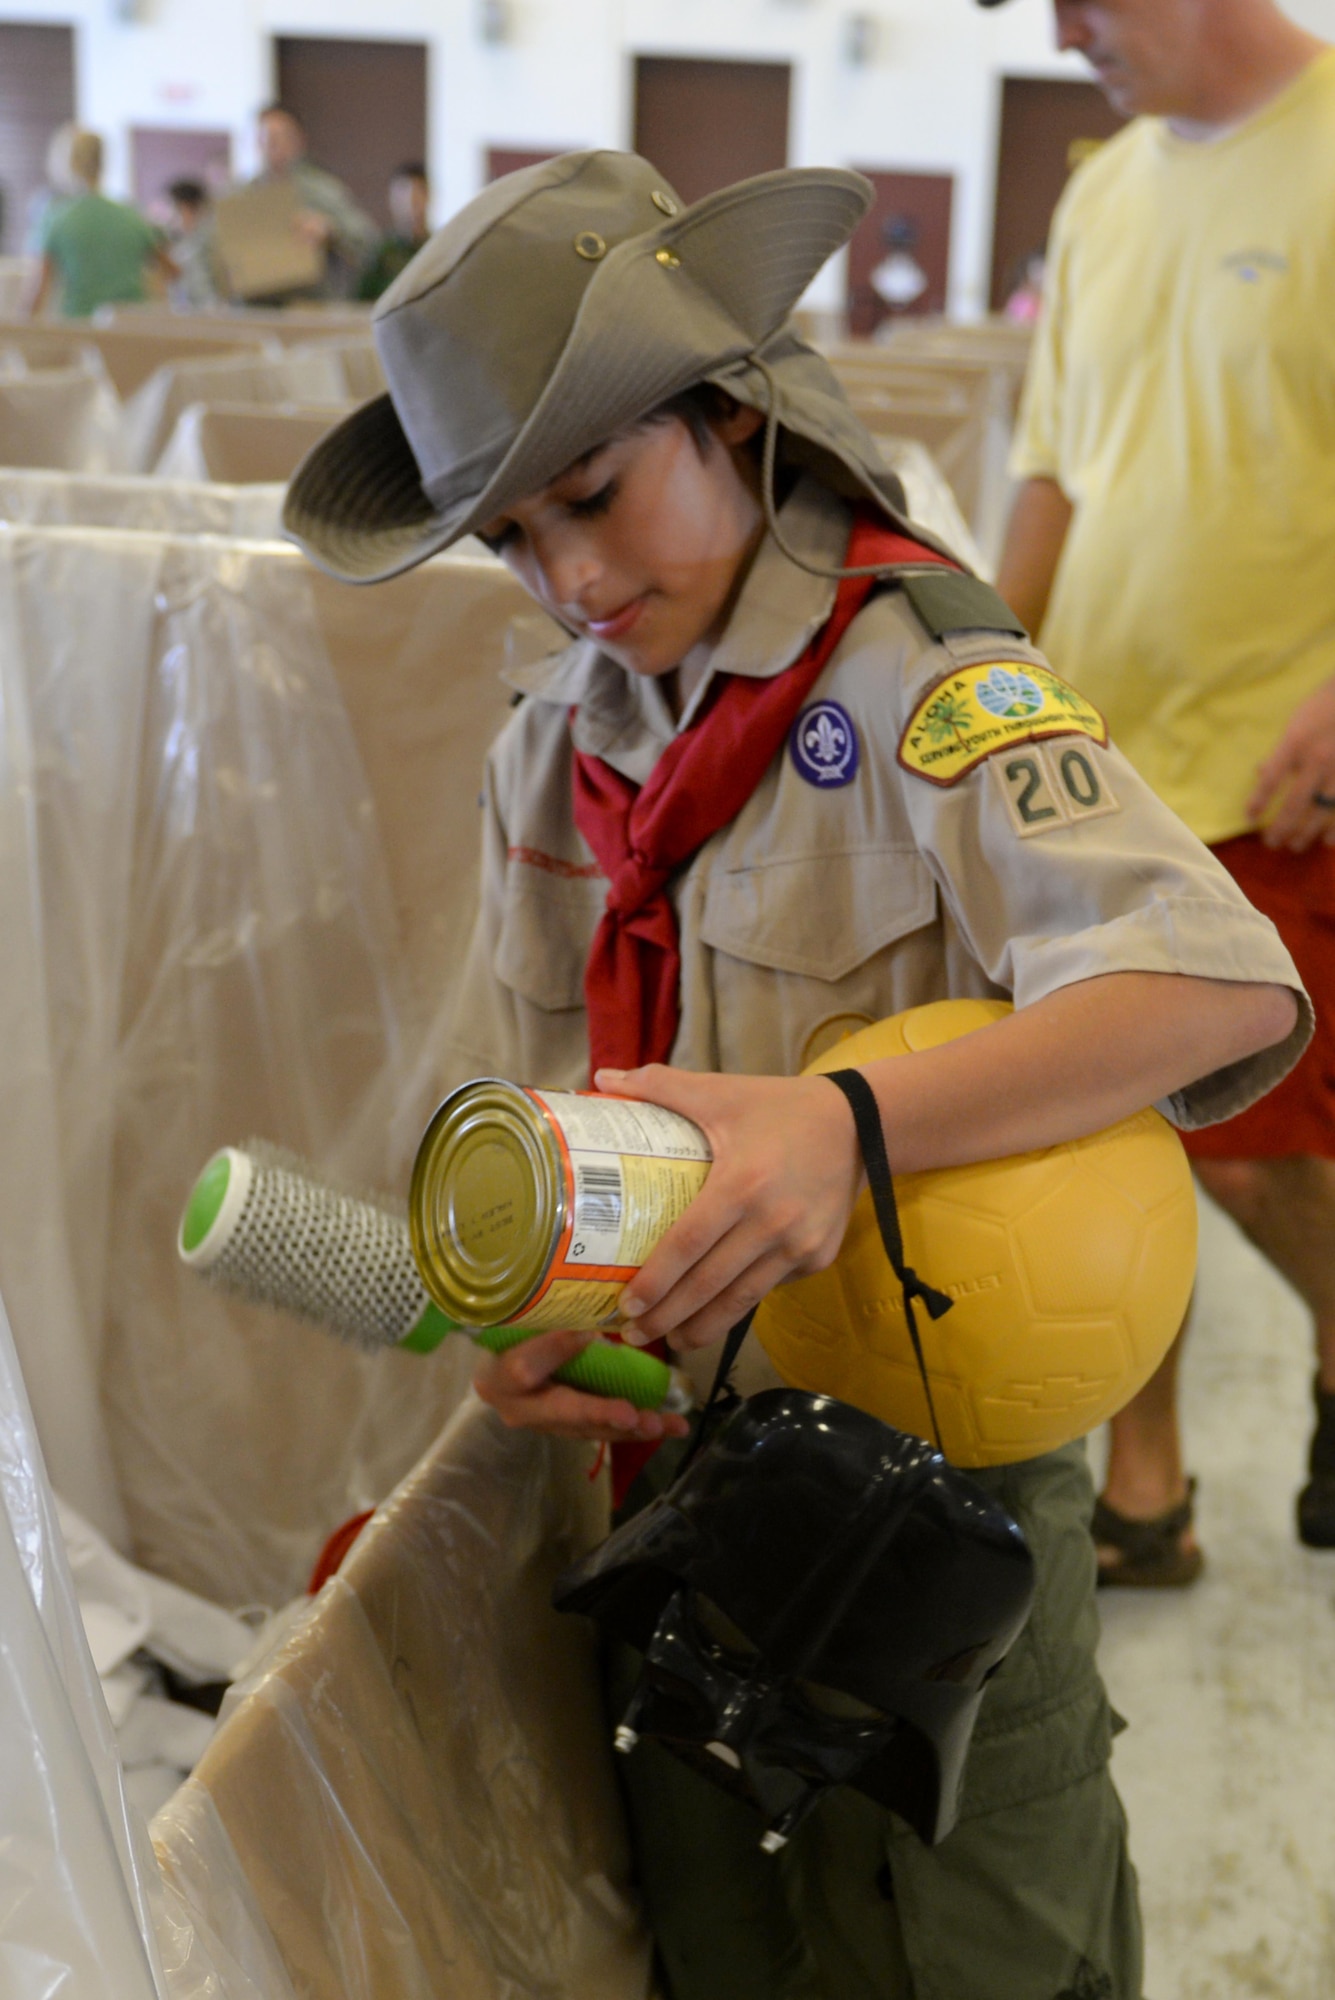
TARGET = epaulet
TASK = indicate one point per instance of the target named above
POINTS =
(948, 602)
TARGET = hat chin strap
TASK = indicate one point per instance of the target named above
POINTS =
(767, 468)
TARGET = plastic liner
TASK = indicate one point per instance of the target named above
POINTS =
(76, 1870)
(242, 443)
(414, 1797)
(238, 825)
(64, 417)
(45, 499)
(290, 375)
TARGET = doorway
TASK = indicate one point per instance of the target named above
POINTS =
(36, 96)
(899, 255)
(704, 124)
(1048, 125)
(161, 154)
(364, 107)
(503, 160)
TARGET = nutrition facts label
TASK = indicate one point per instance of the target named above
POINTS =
(615, 1125)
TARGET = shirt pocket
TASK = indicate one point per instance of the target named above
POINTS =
(547, 926)
(819, 916)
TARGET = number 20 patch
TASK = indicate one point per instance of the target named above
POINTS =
(1047, 785)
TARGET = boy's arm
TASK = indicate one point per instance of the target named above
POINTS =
(787, 1167)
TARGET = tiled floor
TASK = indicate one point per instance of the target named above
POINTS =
(1228, 1769)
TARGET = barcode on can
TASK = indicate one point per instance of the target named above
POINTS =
(599, 1199)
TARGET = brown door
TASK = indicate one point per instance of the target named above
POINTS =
(363, 105)
(161, 154)
(704, 124)
(508, 160)
(36, 95)
(899, 257)
(1047, 127)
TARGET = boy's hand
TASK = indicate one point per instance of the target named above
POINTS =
(777, 1201)
(518, 1386)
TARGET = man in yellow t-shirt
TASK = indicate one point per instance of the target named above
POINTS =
(1174, 539)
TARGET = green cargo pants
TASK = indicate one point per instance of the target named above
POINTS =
(1032, 1897)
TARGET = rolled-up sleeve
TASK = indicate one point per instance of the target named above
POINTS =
(1124, 889)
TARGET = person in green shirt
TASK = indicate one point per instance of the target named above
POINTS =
(96, 251)
(409, 202)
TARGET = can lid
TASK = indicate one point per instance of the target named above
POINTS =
(487, 1203)
(214, 1208)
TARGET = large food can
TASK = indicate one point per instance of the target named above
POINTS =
(535, 1207)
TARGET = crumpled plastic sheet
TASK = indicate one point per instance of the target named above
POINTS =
(41, 498)
(415, 1795)
(76, 1869)
(137, 1624)
(238, 824)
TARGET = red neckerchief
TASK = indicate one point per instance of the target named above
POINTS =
(642, 834)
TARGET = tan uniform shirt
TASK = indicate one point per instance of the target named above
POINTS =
(846, 892)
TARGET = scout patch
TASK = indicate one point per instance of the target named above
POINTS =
(824, 745)
(978, 710)
(1047, 785)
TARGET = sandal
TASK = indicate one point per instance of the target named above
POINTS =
(1150, 1553)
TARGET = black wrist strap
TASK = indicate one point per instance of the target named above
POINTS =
(722, 1394)
(871, 1140)
(871, 1144)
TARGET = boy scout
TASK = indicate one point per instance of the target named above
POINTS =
(795, 773)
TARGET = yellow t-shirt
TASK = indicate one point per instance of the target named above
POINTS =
(1182, 393)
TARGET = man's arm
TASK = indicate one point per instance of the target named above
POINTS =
(161, 260)
(1034, 540)
(40, 287)
(342, 226)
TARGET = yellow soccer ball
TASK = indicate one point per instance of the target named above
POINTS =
(1070, 1270)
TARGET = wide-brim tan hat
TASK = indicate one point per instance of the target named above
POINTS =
(565, 302)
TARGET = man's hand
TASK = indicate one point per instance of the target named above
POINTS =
(519, 1387)
(1297, 775)
(777, 1201)
(313, 228)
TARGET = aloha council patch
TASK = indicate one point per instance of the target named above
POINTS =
(978, 710)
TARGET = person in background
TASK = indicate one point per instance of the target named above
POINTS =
(56, 189)
(97, 252)
(409, 206)
(1171, 547)
(329, 216)
(1024, 300)
(192, 247)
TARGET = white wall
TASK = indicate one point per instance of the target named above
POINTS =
(928, 100)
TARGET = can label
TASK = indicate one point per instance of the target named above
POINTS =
(631, 1170)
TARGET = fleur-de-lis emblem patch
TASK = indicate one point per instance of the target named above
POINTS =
(824, 745)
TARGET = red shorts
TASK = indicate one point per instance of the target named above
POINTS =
(1297, 893)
